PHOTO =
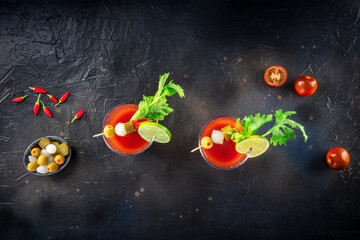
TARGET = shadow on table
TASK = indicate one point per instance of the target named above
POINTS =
(13, 227)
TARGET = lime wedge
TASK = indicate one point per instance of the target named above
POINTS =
(149, 129)
(258, 146)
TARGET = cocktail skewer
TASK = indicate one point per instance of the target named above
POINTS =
(195, 149)
(128, 127)
(206, 143)
(98, 135)
(17, 179)
(198, 148)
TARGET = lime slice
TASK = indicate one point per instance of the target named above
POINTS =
(149, 129)
(258, 144)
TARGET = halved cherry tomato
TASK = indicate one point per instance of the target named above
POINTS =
(337, 158)
(275, 76)
(137, 122)
(305, 86)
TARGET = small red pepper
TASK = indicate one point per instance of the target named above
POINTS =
(19, 99)
(78, 115)
(37, 105)
(46, 110)
(63, 98)
(38, 90)
(52, 98)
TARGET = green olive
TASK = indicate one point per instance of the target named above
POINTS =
(206, 142)
(32, 166)
(109, 131)
(42, 160)
(35, 152)
(52, 167)
(59, 159)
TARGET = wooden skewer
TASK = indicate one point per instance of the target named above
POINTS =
(195, 149)
(98, 135)
(22, 176)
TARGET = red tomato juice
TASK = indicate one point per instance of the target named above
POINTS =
(131, 143)
(221, 155)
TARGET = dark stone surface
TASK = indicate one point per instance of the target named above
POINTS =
(110, 52)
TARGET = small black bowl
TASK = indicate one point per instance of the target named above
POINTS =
(36, 144)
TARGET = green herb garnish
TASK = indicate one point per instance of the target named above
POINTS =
(281, 131)
(155, 107)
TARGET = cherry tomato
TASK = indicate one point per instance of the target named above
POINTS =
(305, 86)
(275, 76)
(337, 158)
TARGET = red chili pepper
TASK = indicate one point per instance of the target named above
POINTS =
(19, 99)
(63, 98)
(46, 110)
(38, 90)
(52, 98)
(78, 115)
(37, 105)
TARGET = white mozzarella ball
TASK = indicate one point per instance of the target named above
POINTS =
(217, 137)
(120, 129)
(32, 159)
(43, 151)
(42, 169)
(51, 148)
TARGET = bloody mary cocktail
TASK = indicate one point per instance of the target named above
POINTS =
(226, 143)
(130, 129)
(130, 144)
(222, 156)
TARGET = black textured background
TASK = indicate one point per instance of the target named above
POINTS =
(110, 52)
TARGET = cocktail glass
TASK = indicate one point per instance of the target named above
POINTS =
(221, 156)
(132, 143)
